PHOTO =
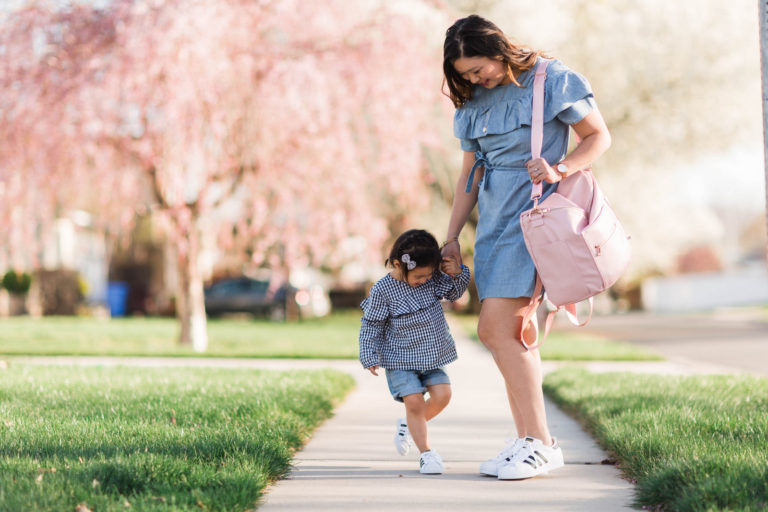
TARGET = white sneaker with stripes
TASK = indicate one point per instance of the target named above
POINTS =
(430, 463)
(403, 439)
(532, 459)
(491, 466)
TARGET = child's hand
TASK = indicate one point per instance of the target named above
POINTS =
(373, 369)
(450, 266)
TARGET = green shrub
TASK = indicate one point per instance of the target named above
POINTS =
(17, 283)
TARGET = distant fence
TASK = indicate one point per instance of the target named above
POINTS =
(697, 292)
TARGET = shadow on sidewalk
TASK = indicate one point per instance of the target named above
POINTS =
(362, 472)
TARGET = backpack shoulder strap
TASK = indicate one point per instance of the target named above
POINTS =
(537, 121)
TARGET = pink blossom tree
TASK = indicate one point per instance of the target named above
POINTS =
(284, 126)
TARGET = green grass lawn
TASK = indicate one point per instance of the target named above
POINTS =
(331, 337)
(691, 443)
(153, 439)
(560, 346)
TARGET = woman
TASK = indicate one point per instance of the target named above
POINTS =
(490, 81)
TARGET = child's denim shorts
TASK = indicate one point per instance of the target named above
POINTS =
(409, 382)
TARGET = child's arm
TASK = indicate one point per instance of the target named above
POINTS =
(453, 287)
(372, 328)
(371, 333)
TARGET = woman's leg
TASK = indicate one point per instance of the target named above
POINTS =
(498, 329)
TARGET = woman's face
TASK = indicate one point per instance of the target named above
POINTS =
(482, 70)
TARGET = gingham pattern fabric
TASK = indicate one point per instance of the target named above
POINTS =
(404, 328)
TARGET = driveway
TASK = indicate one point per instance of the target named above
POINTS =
(734, 339)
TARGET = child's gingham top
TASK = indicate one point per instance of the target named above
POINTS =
(404, 328)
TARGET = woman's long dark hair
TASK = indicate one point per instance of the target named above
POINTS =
(474, 36)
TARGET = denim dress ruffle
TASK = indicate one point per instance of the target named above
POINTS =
(496, 125)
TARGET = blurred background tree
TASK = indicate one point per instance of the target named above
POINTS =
(287, 134)
(284, 127)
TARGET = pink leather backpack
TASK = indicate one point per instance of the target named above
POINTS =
(576, 241)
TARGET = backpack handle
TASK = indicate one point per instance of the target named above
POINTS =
(533, 306)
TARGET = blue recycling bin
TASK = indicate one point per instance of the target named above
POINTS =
(117, 298)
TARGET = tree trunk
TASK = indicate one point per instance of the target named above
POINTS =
(190, 301)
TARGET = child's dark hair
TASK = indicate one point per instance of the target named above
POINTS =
(421, 248)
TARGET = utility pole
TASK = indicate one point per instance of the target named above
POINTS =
(763, 12)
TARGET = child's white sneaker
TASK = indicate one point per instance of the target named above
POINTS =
(532, 459)
(430, 463)
(491, 466)
(403, 439)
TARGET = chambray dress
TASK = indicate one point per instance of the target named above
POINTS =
(496, 125)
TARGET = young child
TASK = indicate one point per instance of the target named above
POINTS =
(404, 331)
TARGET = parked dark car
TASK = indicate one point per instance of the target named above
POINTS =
(246, 295)
(254, 296)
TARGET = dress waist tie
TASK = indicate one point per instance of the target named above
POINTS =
(482, 160)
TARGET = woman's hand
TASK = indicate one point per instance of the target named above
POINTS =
(452, 250)
(373, 369)
(539, 169)
(450, 266)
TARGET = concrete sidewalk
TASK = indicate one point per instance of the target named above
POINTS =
(351, 463)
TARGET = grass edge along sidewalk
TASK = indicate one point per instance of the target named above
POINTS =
(154, 439)
(695, 443)
(334, 336)
(330, 337)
